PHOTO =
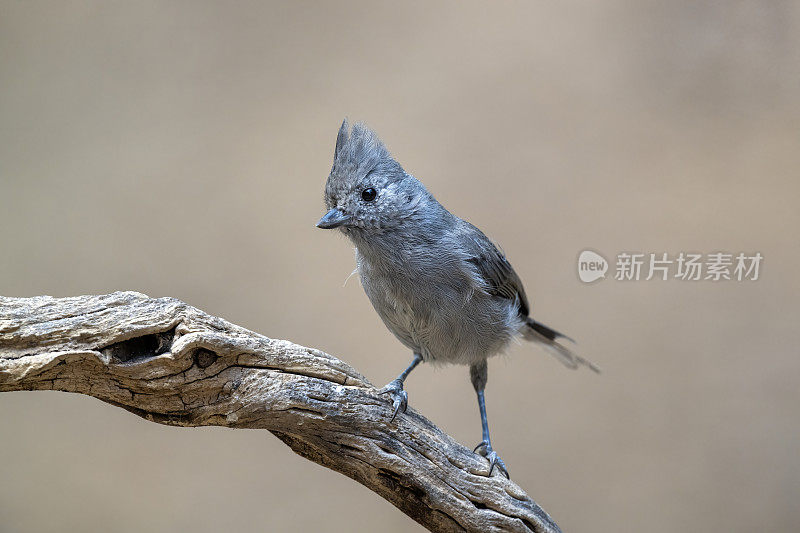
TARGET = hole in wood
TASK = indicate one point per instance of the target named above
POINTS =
(140, 348)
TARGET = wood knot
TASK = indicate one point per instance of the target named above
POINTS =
(204, 358)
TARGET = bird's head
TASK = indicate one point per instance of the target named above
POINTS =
(367, 190)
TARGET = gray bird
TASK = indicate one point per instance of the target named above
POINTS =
(437, 282)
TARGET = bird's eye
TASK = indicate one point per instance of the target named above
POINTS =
(369, 194)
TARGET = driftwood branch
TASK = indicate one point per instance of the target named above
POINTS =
(170, 363)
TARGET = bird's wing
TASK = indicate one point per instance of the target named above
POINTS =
(500, 280)
(493, 267)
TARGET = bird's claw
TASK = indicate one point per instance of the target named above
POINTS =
(399, 397)
(485, 449)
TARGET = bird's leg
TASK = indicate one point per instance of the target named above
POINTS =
(395, 388)
(479, 375)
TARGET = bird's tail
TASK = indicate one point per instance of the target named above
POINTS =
(547, 337)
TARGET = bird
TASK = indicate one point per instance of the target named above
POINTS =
(443, 288)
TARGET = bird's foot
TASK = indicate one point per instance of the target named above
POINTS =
(485, 449)
(399, 397)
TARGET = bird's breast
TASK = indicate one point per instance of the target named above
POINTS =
(435, 310)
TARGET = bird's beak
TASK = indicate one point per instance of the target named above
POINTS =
(332, 219)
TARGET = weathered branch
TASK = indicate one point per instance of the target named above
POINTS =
(170, 363)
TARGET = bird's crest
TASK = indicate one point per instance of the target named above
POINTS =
(358, 150)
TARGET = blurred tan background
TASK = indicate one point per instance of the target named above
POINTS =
(180, 149)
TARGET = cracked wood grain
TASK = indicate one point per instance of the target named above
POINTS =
(173, 364)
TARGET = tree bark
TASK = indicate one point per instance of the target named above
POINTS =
(173, 364)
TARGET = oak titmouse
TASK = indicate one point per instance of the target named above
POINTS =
(437, 282)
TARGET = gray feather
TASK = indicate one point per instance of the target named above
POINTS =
(494, 268)
(437, 282)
